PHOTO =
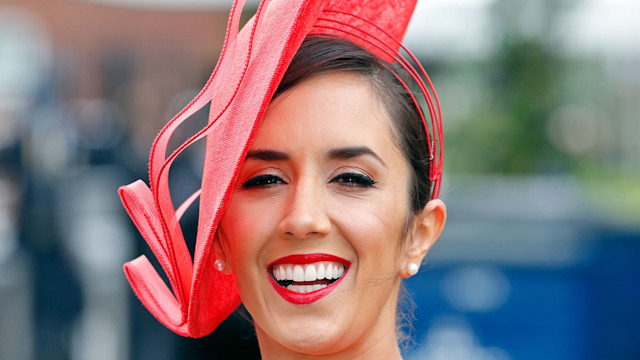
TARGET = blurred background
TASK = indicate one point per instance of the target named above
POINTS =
(541, 101)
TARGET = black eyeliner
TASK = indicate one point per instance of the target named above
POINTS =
(361, 181)
(262, 181)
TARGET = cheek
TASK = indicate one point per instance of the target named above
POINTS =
(246, 230)
(375, 228)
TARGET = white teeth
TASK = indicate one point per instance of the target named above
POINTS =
(308, 272)
(320, 272)
(329, 272)
(298, 273)
(303, 289)
(279, 273)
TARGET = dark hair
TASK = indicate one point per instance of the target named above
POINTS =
(324, 54)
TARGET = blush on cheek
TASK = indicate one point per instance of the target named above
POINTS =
(238, 219)
(246, 229)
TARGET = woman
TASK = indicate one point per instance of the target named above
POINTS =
(312, 218)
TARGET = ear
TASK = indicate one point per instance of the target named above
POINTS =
(427, 226)
(220, 248)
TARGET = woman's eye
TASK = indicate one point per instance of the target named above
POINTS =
(353, 180)
(262, 181)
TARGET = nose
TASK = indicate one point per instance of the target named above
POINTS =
(305, 216)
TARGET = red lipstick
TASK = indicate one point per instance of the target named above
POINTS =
(300, 298)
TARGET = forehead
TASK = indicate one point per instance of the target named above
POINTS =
(325, 111)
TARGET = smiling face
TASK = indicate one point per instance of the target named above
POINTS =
(315, 226)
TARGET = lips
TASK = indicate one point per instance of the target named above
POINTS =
(304, 279)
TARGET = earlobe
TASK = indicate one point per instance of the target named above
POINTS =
(220, 264)
(427, 227)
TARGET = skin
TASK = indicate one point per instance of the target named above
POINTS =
(305, 198)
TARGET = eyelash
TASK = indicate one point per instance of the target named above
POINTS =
(350, 179)
(261, 181)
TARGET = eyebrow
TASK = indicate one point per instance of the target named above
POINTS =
(346, 153)
(267, 155)
(343, 153)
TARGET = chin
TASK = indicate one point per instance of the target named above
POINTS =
(307, 336)
(313, 344)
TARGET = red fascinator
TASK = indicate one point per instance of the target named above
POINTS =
(251, 65)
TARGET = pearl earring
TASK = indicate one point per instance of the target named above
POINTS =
(412, 269)
(219, 265)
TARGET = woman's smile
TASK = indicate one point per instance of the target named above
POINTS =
(304, 279)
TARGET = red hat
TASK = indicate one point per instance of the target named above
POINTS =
(251, 65)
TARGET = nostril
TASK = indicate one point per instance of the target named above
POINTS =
(304, 216)
(304, 226)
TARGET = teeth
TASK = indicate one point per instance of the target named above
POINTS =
(298, 273)
(303, 289)
(320, 272)
(309, 272)
(329, 272)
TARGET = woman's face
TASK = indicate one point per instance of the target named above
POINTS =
(315, 224)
